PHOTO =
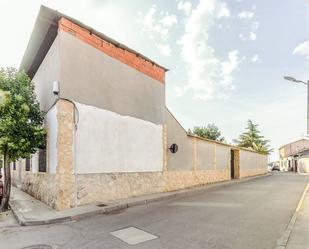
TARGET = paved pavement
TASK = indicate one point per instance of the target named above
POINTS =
(30, 211)
(248, 215)
(299, 237)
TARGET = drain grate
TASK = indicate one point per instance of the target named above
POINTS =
(38, 247)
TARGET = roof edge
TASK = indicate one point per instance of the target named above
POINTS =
(47, 18)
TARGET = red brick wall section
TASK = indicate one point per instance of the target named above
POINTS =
(127, 57)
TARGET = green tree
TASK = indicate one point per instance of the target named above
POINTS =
(21, 122)
(211, 131)
(252, 139)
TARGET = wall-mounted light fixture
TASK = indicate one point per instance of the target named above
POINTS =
(56, 87)
(173, 148)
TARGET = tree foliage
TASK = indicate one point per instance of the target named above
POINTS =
(211, 131)
(21, 121)
(252, 139)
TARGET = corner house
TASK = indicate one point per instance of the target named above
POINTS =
(110, 134)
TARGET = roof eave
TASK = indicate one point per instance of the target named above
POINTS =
(45, 31)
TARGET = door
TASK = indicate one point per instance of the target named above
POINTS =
(235, 171)
(232, 164)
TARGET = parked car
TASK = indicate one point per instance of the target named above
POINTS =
(276, 167)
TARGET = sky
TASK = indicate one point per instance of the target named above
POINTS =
(226, 59)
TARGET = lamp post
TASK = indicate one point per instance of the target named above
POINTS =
(307, 84)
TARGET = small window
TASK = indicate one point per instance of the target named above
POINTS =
(42, 160)
(14, 165)
(28, 164)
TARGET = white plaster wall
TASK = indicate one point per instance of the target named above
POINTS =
(303, 165)
(110, 142)
(35, 163)
(52, 128)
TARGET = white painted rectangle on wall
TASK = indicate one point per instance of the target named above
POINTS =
(109, 142)
(35, 163)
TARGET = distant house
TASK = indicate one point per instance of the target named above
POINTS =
(290, 154)
(110, 135)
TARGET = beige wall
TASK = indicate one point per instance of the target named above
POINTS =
(183, 159)
(206, 159)
(48, 72)
(89, 76)
(252, 163)
(293, 148)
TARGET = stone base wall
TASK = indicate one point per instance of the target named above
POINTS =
(102, 188)
(252, 172)
(175, 180)
(42, 186)
(105, 187)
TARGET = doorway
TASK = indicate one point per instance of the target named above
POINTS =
(234, 170)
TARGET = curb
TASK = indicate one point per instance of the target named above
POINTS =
(127, 203)
(283, 240)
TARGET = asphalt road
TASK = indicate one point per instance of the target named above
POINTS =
(247, 215)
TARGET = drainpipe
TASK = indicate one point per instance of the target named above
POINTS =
(74, 160)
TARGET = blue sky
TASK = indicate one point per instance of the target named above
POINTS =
(227, 59)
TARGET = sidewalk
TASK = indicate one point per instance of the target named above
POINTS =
(299, 237)
(30, 211)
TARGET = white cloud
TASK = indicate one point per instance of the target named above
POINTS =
(247, 15)
(164, 49)
(228, 67)
(256, 58)
(185, 7)
(169, 20)
(302, 49)
(255, 25)
(223, 11)
(252, 36)
(208, 76)
(248, 37)
(157, 25)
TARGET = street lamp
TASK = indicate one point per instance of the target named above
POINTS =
(307, 84)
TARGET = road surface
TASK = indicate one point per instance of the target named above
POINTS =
(247, 215)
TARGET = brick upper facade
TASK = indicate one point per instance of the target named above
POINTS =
(129, 58)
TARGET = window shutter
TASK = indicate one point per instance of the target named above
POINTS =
(42, 160)
(27, 164)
